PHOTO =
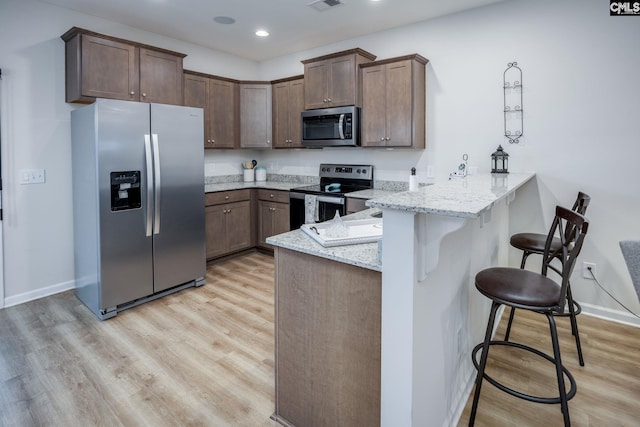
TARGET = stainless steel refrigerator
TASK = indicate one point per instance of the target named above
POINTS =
(138, 202)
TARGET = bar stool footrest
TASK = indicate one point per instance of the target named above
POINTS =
(550, 400)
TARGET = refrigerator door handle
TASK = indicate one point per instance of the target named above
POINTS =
(156, 172)
(150, 196)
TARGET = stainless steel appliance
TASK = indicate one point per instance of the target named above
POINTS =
(336, 182)
(138, 202)
(331, 127)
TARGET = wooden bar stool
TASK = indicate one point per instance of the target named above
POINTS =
(533, 243)
(528, 290)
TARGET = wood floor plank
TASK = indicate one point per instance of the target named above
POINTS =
(608, 386)
(205, 357)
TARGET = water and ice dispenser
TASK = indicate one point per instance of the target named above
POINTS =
(125, 190)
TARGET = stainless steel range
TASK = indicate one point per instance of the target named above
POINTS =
(318, 203)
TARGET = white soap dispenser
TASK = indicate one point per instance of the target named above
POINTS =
(413, 180)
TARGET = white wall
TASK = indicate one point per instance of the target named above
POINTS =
(580, 96)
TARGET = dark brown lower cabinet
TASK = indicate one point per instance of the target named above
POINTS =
(228, 222)
(273, 215)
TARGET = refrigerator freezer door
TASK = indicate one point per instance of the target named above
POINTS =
(179, 245)
(125, 250)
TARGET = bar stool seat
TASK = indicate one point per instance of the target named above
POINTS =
(528, 290)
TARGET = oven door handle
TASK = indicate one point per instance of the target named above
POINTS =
(322, 199)
(341, 126)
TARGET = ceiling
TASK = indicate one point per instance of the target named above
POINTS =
(293, 25)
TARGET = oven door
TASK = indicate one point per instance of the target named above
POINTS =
(327, 208)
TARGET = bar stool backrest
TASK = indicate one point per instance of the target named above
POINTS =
(571, 227)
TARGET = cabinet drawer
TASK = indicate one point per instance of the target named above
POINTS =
(273, 195)
(226, 197)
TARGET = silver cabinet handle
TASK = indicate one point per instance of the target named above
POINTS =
(132, 93)
(329, 100)
(144, 94)
(226, 197)
(382, 138)
(156, 171)
(387, 138)
(149, 165)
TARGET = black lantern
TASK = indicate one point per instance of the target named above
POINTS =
(499, 161)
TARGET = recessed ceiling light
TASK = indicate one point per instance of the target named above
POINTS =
(224, 20)
(262, 33)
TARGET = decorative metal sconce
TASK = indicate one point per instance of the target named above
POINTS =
(513, 116)
(500, 161)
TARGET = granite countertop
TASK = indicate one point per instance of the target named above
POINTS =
(239, 185)
(460, 197)
(363, 255)
(373, 193)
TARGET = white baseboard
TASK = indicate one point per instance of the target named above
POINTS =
(38, 293)
(618, 316)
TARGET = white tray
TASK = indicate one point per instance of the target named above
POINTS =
(360, 231)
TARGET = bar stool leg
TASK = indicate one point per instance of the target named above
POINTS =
(483, 362)
(525, 255)
(574, 325)
(556, 355)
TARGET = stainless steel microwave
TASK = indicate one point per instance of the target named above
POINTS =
(331, 127)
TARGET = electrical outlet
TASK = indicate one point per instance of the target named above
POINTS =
(585, 269)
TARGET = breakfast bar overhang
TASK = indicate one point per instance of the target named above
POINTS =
(434, 242)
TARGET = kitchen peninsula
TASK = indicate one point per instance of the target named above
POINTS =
(388, 341)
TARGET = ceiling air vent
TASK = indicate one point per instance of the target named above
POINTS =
(322, 5)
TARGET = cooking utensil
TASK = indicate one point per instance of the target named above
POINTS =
(254, 163)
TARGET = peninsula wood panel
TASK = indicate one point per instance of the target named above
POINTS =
(327, 342)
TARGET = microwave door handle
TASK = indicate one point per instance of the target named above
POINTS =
(341, 125)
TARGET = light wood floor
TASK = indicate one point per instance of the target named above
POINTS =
(204, 357)
(201, 357)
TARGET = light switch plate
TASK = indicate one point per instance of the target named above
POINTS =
(32, 176)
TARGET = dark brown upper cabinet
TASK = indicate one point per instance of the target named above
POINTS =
(393, 102)
(332, 80)
(218, 96)
(288, 103)
(99, 66)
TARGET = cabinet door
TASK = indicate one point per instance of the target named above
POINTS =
(195, 95)
(216, 230)
(223, 107)
(399, 98)
(288, 103)
(280, 218)
(316, 76)
(273, 218)
(160, 77)
(281, 108)
(296, 107)
(255, 115)
(109, 69)
(265, 222)
(342, 81)
(373, 119)
(238, 224)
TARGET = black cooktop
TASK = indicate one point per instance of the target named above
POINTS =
(338, 189)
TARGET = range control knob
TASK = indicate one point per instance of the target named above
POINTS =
(358, 171)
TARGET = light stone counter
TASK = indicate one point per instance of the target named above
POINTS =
(460, 197)
(239, 185)
(363, 255)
